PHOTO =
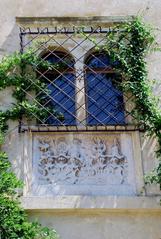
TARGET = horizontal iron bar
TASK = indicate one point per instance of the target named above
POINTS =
(57, 32)
(44, 31)
(50, 128)
(85, 130)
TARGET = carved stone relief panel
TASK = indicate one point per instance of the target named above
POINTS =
(82, 163)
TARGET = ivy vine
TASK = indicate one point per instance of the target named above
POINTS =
(128, 45)
(14, 73)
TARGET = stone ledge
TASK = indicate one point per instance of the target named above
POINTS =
(72, 21)
(104, 203)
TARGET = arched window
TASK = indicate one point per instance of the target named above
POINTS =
(61, 91)
(105, 104)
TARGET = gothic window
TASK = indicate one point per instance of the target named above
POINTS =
(77, 145)
(105, 103)
(83, 87)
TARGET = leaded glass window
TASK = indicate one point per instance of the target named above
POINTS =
(104, 98)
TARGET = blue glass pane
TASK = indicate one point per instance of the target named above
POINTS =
(105, 100)
(98, 60)
(62, 99)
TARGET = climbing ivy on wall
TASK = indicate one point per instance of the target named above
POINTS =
(14, 223)
(127, 45)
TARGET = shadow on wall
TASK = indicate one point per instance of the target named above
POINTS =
(149, 160)
(13, 142)
(12, 42)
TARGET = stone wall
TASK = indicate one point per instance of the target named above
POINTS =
(103, 213)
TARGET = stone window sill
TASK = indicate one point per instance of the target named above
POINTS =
(97, 203)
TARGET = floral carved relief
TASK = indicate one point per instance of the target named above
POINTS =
(78, 161)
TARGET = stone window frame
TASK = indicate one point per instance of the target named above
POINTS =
(30, 131)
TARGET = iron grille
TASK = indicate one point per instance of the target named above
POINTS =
(85, 91)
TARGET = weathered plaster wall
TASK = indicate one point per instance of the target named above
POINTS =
(110, 225)
(144, 225)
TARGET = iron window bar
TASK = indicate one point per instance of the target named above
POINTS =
(67, 30)
(70, 34)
